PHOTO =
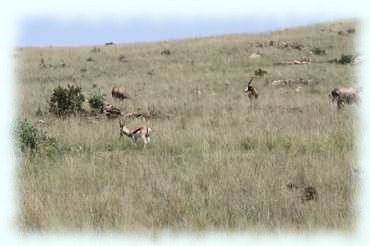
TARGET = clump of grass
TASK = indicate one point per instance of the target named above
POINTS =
(95, 50)
(278, 142)
(340, 32)
(32, 140)
(342, 143)
(39, 112)
(318, 51)
(249, 143)
(97, 100)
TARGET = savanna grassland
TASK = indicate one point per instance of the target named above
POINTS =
(216, 161)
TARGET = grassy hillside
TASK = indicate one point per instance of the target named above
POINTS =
(216, 162)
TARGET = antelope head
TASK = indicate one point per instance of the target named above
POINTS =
(250, 90)
(123, 130)
(333, 95)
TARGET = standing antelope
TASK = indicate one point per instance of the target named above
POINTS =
(135, 133)
(120, 93)
(343, 95)
(251, 91)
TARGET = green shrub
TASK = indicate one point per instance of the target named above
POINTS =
(65, 101)
(28, 137)
(248, 143)
(351, 30)
(97, 100)
(345, 59)
(318, 51)
(282, 142)
(52, 148)
(342, 143)
(166, 52)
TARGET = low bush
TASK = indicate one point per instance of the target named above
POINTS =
(166, 52)
(351, 30)
(28, 137)
(97, 100)
(66, 101)
(32, 140)
(345, 59)
(318, 51)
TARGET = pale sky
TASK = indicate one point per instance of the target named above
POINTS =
(48, 31)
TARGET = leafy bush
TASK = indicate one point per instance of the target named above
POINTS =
(166, 52)
(65, 101)
(351, 30)
(97, 100)
(318, 51)
(28, 137)
(51, 147)
(345, 59)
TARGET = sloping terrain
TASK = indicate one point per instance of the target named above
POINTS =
(216, 160)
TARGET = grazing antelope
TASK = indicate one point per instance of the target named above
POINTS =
(344, 95)
(142, 132)
(251, 91)
(120, 93)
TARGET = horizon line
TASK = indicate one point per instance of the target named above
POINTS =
(191, 37)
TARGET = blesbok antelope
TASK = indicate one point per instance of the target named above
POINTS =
(251, 91)
(120, 93)
(142, 132)
(344, 95)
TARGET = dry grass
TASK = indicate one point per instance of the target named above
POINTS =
(215, 162)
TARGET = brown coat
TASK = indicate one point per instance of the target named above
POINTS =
(344, 95)
(251, 91)
(142, 132)
(120, 93)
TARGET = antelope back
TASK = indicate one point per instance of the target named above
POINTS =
(118, 91)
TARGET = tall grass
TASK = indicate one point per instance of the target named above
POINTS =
(215, 161)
